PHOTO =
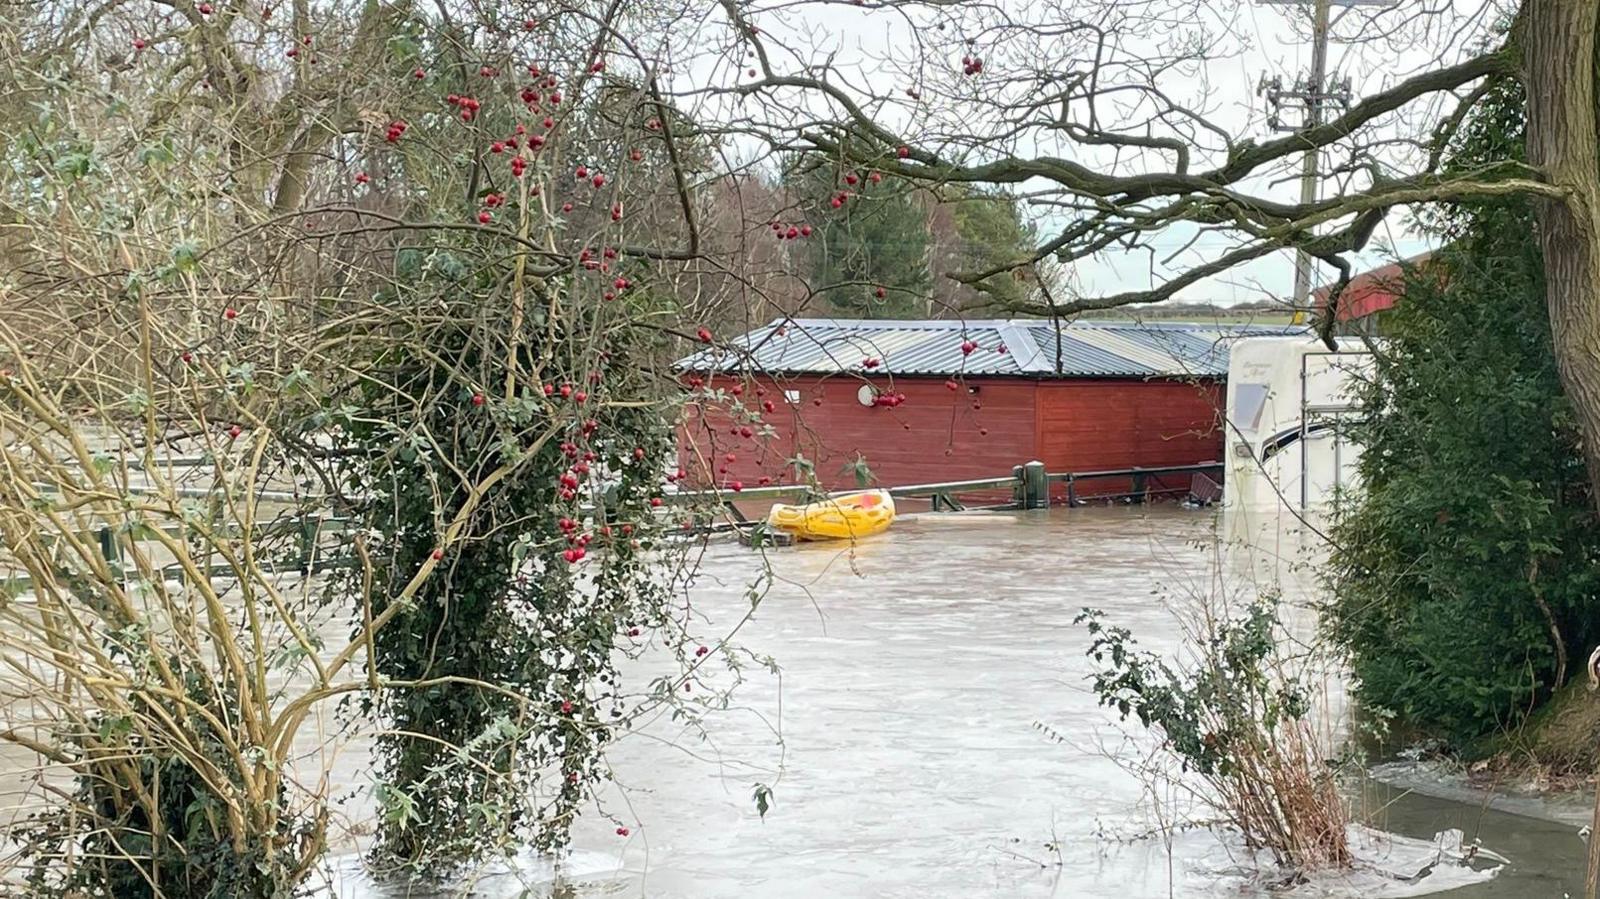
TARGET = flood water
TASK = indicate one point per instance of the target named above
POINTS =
(931, 733)
(908, 739)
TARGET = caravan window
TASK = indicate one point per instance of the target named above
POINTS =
(1248, 401)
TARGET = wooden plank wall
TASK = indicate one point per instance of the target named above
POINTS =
(943, 435)
(1089, 425)
(936, 435)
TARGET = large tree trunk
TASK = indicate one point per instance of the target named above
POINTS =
(1559, 67)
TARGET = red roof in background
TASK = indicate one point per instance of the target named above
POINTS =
(1369, 292)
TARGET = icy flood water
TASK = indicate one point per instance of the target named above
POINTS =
(908, 739)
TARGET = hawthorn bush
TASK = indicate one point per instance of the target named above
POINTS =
(384, 290)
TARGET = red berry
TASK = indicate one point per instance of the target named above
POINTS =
(478, 399)
(598, 181)
(497, 147)
(876, 177)
(881, 293)
(817, 401)
(566, 207)
(951, 385)
(566, 707)
(438, 554)
(138, 43)
(484, 217)
(704, 335)
(235, 431)
(655, 501)
(903, 152)
(204, 8)
(529, 24)
(362, 177)
(230, 313)
(622, 831)
(851, 179)
(736, 486)
(419, 74)
(187, 356)
(805, 230)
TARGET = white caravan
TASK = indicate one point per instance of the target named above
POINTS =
(1287, 398)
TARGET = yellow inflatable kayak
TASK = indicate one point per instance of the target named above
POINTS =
(844, 517)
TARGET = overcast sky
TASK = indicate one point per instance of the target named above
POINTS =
(1375, 48)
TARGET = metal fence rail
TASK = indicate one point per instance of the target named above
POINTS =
(1029, 484)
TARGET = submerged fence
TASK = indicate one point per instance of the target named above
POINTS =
(1030, 486)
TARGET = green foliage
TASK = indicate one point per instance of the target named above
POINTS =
(1473, 536)
(184, 849)
(990, 231)
(503, 658)
(1212, 716)
(877, 239)
(1232, 716)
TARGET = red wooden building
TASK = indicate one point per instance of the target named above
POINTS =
(925, 401)
(1369, 293)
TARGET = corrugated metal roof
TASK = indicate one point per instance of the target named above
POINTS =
(1021, 347)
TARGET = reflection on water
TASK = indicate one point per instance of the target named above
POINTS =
(903, 740)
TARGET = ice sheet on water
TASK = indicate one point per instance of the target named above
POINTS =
(1388, 866)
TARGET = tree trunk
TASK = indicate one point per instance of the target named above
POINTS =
(1558, 42)
(1559, 66)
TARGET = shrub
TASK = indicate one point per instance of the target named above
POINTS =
(1464, 574)
(1242, 728)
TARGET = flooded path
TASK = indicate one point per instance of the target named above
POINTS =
(915, 677)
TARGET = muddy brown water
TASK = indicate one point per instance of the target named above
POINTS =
(931, 733)
(918, 674)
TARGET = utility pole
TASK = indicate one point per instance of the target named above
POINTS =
(1311, 94)
(1308, 168)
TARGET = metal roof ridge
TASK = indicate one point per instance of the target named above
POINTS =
(1020, 345)
(890, 324)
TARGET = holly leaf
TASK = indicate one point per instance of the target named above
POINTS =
(763, 798)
